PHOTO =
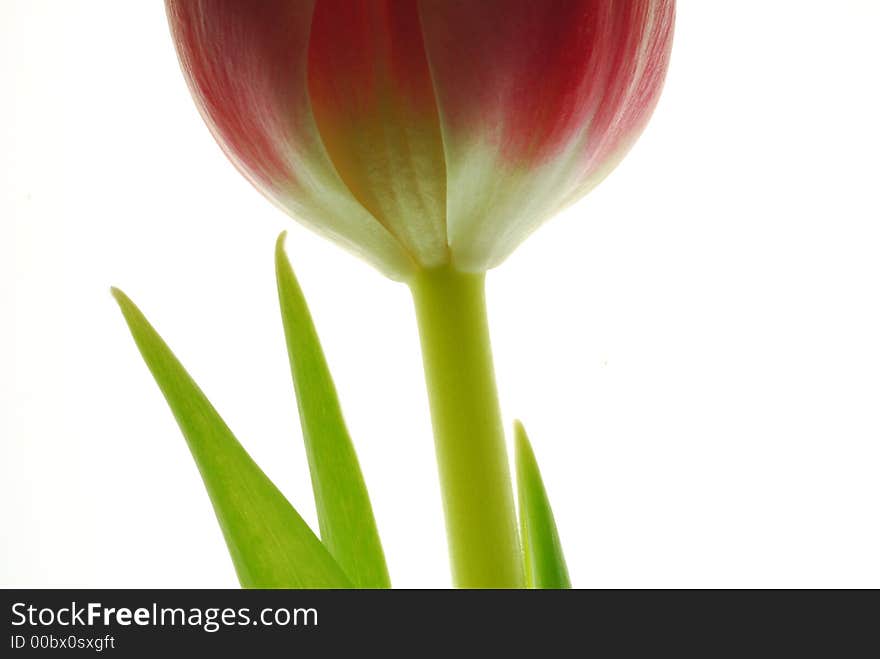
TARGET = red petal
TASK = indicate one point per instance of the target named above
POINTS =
(373, 101)
(243, 60)
(533, 74)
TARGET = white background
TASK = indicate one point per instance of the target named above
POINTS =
(694, 348)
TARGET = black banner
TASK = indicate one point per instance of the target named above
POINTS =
(128, 623)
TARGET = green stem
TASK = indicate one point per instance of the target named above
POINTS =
(468, 431)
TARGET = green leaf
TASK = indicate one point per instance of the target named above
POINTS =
(544, 562)
(270, 544)
(345, 515)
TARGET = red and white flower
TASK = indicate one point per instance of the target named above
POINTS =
(420, 133)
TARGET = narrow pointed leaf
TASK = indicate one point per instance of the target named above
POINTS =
(345, 515)
(542, 551)
(270, 544)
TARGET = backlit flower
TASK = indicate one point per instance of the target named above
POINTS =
(424, 133)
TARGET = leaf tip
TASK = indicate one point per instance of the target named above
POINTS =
(279, 244)
(522, 447)
(128, 308)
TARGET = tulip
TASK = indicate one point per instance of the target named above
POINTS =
(432, 137)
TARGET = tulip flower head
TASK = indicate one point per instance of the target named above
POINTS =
(424, 133)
